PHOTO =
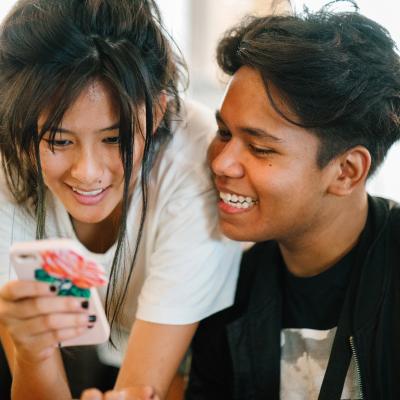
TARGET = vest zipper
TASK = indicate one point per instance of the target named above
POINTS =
(357, 365)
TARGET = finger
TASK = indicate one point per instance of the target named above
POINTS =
(32, 307)
(147, 392)
(92, 394)
(50, 322)
(36, 344)
(117, 395)
(138, 393)
(19, 289)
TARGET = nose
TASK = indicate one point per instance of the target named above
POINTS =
(225, 160)
(87, 168)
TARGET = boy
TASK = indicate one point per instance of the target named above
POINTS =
(310, 112)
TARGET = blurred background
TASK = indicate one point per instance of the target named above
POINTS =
(196, 26)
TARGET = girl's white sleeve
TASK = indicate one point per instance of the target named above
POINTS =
(192, 270)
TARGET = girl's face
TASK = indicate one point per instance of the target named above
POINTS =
(85, 170)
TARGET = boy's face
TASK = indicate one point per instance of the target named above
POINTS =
(264, 167)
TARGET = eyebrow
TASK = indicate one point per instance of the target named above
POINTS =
(107, 129)
(255, 132)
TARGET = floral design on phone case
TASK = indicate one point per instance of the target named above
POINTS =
(70, 273)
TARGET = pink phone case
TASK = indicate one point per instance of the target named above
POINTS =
(63, 263)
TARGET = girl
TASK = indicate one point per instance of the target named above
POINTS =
(97, 146)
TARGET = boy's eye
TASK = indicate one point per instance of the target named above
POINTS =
(223, 134)
(260, 150)
(112, 140)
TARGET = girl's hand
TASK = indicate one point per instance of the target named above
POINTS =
(37, 320)
(132, 393)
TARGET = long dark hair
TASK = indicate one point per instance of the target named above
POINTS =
(339, 73)
(50, 50)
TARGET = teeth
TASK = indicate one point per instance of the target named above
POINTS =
(91, 193)
(237, 201)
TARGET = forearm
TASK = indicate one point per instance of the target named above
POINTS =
(45, 380)
(153, 355)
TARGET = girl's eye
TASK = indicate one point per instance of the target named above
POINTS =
(260, 150)
(58, 142)
(112, 140)
(223, 135)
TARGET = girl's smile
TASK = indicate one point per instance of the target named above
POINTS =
(90, 198)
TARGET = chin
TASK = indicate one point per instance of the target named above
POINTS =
(234, 233)
(89, 219)
(241, 234)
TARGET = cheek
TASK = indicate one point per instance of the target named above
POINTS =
(52, 165)
(279, 186)
(213, 150)
(114, 167)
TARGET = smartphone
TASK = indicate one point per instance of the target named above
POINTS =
(64, 264)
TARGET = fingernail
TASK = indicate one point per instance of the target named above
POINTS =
(92, 318)
(52, 288)
(85, 304)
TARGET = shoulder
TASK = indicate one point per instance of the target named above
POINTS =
(386, 210)
(195, 118)
(8, 205)
(192, 130)
(16, 221)
(395, 217)
(182, 160)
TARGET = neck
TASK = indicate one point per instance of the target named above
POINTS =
(99, 237)
(323, 246)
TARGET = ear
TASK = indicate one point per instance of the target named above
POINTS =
(159, 111)
(351, 171)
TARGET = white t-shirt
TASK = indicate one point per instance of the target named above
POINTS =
(184, 269)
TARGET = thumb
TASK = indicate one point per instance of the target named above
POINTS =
(91, 394)
(140, 393)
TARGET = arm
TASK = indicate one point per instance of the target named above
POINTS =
(151, 360)
(153, 355)
(33, 321)
(49, 372)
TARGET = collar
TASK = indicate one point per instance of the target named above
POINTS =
(370, 282)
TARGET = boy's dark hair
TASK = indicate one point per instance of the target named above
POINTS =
(338, 72)
(50, 50)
